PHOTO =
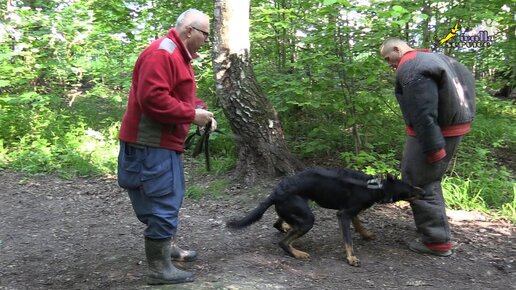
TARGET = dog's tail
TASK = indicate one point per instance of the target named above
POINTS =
(253, 216)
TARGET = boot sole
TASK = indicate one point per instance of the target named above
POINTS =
(184, 259)
(422, 249)
(155, 281)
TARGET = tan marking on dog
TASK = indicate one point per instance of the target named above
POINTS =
(285, 227)
(298, 254)
(352, 260)
(364, 233)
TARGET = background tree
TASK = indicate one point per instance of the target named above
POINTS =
(254, 122)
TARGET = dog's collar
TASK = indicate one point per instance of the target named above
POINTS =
(374, 183)
(377, 183)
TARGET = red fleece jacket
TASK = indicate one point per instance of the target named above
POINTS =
(162, 99)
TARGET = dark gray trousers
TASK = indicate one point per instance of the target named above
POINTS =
(430, 212)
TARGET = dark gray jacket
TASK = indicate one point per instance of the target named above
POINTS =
(436, 95)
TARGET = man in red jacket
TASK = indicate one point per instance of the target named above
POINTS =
(436, 95)
(161, 107)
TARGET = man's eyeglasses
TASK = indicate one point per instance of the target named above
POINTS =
(206, 34)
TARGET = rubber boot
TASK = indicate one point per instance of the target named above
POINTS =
(161, 269)
(179, 255)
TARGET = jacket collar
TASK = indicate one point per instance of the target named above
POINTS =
(172, 34)
(411, 55)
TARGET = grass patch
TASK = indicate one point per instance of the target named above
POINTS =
(460, 194)
(215, 188)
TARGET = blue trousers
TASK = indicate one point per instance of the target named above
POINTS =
(154, 178)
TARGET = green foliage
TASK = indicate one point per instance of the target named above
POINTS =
(460, 194)
(481, 158)
(194, 191)
(88, 151)
(372, 162)
(65, 71)
(508, 210)
(80, 151)
(219, 163)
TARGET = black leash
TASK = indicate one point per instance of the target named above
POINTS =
(202, 144)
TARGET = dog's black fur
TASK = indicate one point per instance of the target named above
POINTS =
(345, 190)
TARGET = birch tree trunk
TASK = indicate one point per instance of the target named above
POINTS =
(254, 122)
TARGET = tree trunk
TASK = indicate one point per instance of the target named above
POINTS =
(258, 134)
(426, 24)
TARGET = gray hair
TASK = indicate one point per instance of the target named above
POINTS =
(189, 17)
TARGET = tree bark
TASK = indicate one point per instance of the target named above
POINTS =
(254, 122)
(426, 24)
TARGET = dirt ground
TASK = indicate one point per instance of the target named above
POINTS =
(82, 234)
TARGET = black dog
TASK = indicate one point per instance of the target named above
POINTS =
(345, 190)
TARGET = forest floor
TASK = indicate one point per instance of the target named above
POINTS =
(82, 234)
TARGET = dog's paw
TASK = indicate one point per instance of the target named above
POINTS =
(368, 236)
(353, 261)
(303, 256)
(300, 254)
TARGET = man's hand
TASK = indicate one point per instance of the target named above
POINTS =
(213, 125)
(203, 117)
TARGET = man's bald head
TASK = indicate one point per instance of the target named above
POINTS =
(191, 17)
(193, 27)
(393, 49)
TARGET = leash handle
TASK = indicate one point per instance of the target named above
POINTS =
(202, 144)
(189, 139)
(204, 140)
(206, 148)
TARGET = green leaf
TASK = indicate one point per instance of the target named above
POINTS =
(331, 2)
(399, 9)
(4, 83)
